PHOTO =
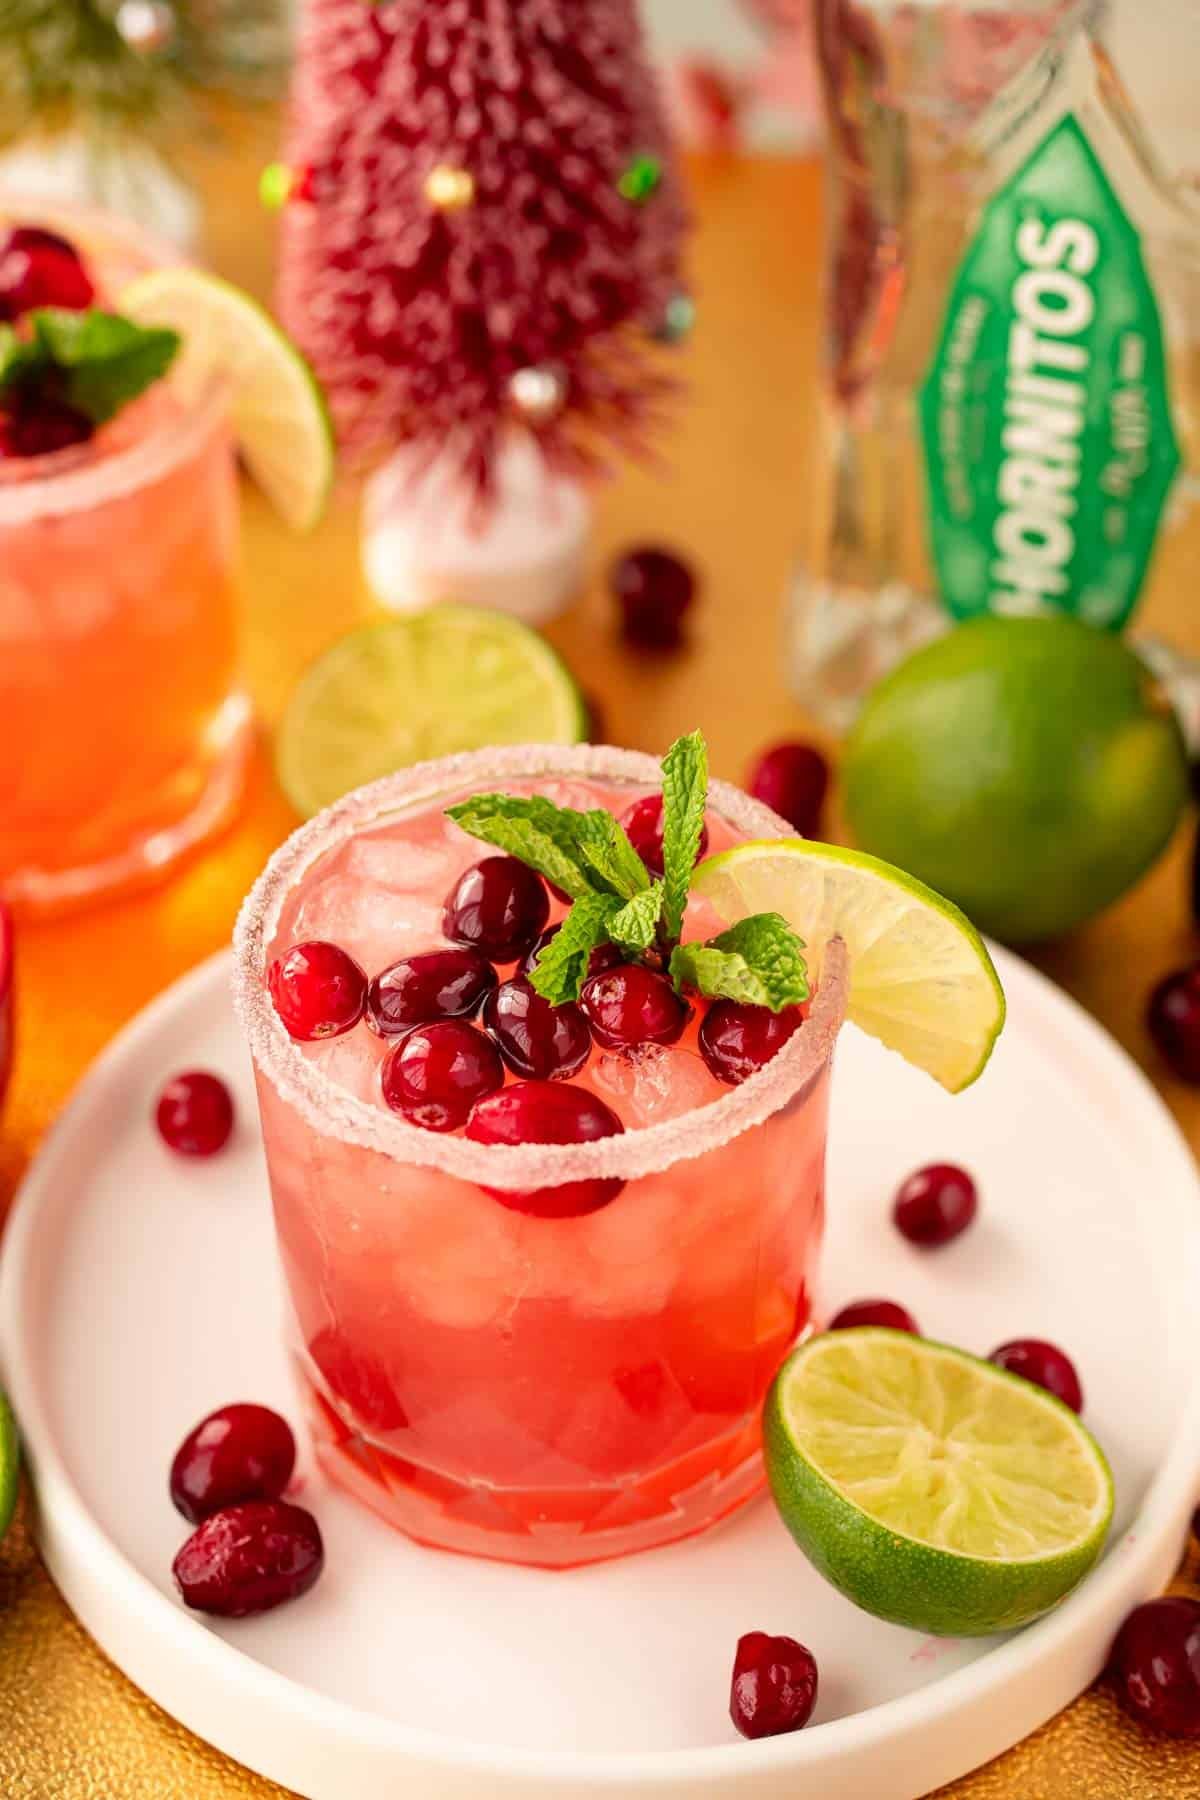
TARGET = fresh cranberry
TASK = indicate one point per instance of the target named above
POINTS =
(441, 984)
(874, 1312)
(435, 1075)
(194, 1114)
(935, 1204)
(792, 780)
(39, 425)
(497, 907)
(632, 1005)
(242, 1452)
(644, 829)
(319, 991)
(1043, 1364)
(654, 590)
(1173, 1017)
(1155, 1663)
(248, 1558)
(359, 1379)
(604, 956)
(774, 1687)
(548, 1112)
(538, 1041)
(39, 268)
(737, 1039)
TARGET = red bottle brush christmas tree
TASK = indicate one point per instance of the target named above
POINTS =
(482, 225)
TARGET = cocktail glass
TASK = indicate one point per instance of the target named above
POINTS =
(541, 1390)
(125, 730)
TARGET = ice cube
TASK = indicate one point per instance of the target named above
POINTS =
(350, 1062)
(404, 868)
(651, 1083)
(375, 924)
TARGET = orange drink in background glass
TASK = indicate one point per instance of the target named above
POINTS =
(124, 728)
(539, 1389)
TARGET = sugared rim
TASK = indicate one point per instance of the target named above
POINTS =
(641, 1151)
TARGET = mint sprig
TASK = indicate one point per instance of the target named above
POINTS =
(759, 961)
(589, 856)
(94, 361)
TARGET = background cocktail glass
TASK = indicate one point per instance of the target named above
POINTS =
(125, 729)
(542, 1390)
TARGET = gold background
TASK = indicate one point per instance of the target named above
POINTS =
(732, 493)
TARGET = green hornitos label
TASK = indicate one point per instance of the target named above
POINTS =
(1045, 417)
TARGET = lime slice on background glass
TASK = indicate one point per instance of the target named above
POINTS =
(921, 980)
(428, 684)
(279, 411)
(931, 1488)
(10, 1462)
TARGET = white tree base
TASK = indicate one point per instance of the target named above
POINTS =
(423, 545)
(117, 172)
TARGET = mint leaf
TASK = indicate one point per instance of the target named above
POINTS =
(759, 960)
(96, 361)
(605, 845)
(635, 926)
(685, 789)
(533, 829)
(561, 969)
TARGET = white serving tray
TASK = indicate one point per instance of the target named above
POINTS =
(139, 1290)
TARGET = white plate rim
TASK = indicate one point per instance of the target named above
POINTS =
(1132, 1568)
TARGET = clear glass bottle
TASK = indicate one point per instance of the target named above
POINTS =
(1012, 365)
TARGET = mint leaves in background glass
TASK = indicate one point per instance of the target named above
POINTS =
(95, 362)
(589, 857)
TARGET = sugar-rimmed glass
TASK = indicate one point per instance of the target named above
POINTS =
(550, 1391)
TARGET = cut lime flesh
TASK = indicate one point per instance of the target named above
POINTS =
(931, 1488)
(408, 689)
(921, 979)
(279, 411)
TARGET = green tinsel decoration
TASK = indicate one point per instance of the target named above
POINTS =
(69, 63)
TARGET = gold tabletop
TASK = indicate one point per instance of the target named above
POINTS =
(732, 494)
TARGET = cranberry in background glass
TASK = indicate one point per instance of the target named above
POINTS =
(1043, 1364)
(248, 1558)
(604, 956)
(548, 1112)
(39, 425)
(644, 829)
(1155, 1665)
(440, 984)
(792, 779)
(497, 907)
(318, 989)
(774, 1686)
(736, 1040)
(874, 1312)
(39, 268)
(632, 1005)
(435, 1075)
(935, 1205)
(1173, 1018)
(194, 1114)
(654, 589)
(537, 1041)
(241, 1452)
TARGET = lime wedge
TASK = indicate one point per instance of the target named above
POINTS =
(428, 684)
(931, 1488)
(921, 980)
(279, 411)
(10, 1462)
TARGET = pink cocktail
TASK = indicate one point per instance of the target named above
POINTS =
(125, 727)
(548, 1390)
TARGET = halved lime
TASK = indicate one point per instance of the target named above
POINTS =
(279, 411)
(10, 1463)
(931, 1488)
(428, 684)
(921, 979)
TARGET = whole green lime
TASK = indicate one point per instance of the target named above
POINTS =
(1029, 769)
